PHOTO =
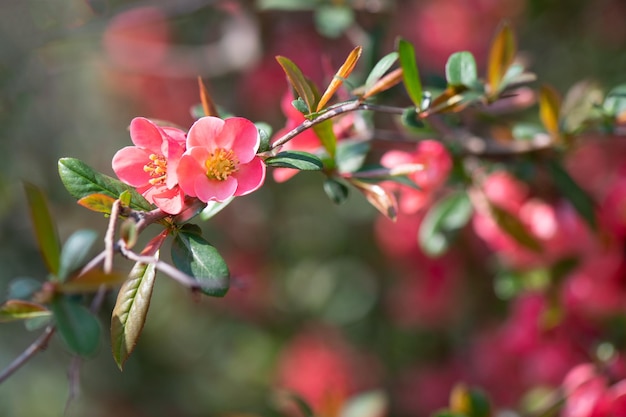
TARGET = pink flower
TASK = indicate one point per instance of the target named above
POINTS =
(436, 164)
(220, 161)
(150, 165)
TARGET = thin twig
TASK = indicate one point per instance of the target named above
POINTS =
(39, 344)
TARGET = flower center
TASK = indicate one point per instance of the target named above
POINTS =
(221, 164)
(157, 167)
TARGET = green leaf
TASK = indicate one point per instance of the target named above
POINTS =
(298, 81)
(78, 327)
(581, 201)
(214, 207)
(442, 219)
(75, 252)
(303, 161)
(549, 108)
(333, 20)
(300, 105)
(461, 69)
(526, 131)
(81, 180)
(21, 310)
(351, 154)
(469, 402)
(515, 228)
(326, 134)
(193, 255)
(45, 229)
(368, 404)
(286, 4)
(336, 190)
(615, 101)
(409, 72)
(580, 105)
(265, 133)
(380, 69)
(23, 288)
(90, 281)
(133, 301)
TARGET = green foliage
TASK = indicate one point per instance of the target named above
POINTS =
(21, 310)
(333, 20)
(325, 132)
(214, 207)
(45, 230)
(303, 161)
(367, 404)
(75, 251)
(410, 73)
(351, 154)
(336, 190)
(441, 222)
(581, 201)
(196, 257)
(23, 288)
(81, 180)
(615, 101)
(299, 82)
(461, 69)
(381, 67)
(131, 309)
(78, 327)
(515, 228)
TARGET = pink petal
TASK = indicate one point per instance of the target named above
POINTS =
(250, 177)
(176, 134)
(128, 165)
(170, 201)
(283, 174)
(211, 190)
(204, 131)
(146, 134)
(240, 135)
(188, 169)
(394, 158)
(175, 151)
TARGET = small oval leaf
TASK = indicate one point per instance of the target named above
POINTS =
(45, 229)
(442, 219)
(196, 257)
(78, 327)
(461, 69)
(21, 310)
(303, 161)
(100, 203)
(75, 251)
(379, 70)
(501, 56)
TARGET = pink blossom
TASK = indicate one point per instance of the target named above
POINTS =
(150, 165)
(435, 162)
(220, 161)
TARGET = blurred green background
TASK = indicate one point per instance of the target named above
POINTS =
(73, 73)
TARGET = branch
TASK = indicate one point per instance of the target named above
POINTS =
(39, 344)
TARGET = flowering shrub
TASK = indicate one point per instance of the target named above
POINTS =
(496, 207)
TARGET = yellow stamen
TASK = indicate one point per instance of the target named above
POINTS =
(221, 164)
(157, 167)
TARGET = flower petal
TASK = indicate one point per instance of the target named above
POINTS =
(175, 151)
(212, 190)
(395, 158)
(204, 131)
(146, 134)
(170, 200)
(174, 133)
(250, 176)
(189, 168)
(240, 135)
(128, 165)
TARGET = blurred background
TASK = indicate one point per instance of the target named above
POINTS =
(329, 301)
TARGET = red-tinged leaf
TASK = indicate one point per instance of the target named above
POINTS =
(101, 203)
(21, 310)
(326, 134)
(378, 197)
(392, 79)
(45, 229)
(133, 301)
(501, 56)
(208, 106)
(91, 281)
(298, 81)
(344, 71)
(549, 108)
(410, 73)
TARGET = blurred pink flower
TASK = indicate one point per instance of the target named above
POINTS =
(436, 164)
(150, 165)
(220, 161)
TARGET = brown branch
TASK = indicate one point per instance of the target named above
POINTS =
(38, 345)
